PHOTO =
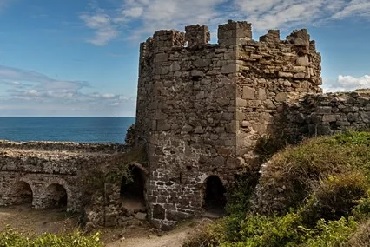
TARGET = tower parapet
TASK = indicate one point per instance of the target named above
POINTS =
(197, 35)
(234, 33)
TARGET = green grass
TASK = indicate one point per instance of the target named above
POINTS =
(12, 238)
(310, 195)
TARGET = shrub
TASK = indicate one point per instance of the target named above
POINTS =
(239, 195)
(288, 178)
(272, 231)
(208, 235)
(332, 233)
(11, 238)
(334, 197)
(362, 210)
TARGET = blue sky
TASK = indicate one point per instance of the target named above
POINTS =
(80, 57)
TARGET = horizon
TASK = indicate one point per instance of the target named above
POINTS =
(81, 59)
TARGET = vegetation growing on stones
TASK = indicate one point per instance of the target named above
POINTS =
(314, 194)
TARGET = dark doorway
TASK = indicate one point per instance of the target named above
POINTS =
(57, 196)
(214, 196)
(23, 194)
(132, 189)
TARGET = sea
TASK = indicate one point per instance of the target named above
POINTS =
(65, 129)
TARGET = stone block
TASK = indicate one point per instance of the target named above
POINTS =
(175, 215)
(196, 73)
(262, 94)
(269, 104)
(303, 61)
(241, 102)
(281, 96)
(244, 124)
(329, 118)
(285, 74)
(300, 75)
(299, 69)
(161, 57)
(248, 92)
(175, 66)
(228, 68)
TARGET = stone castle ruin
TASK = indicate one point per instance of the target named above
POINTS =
(201, 110)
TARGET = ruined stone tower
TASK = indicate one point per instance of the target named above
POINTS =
(201, 107)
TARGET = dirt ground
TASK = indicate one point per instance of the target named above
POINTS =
(136, 234)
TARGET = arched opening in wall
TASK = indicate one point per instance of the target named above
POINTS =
(214, 200)
(57, 196)
(23, 194)
(132, 190)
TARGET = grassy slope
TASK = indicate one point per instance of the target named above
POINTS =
(313, 194)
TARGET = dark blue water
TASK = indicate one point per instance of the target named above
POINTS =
(68, 129)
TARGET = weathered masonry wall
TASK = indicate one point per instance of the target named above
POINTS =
(327, 114)
(270, 73)
(186, 108)
(201, 107)
(47, 173)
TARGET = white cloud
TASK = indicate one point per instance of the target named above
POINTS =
(348, 83)
(32, 90)
(102, 24)
(132, 12)
(354, 7)
(151, 15)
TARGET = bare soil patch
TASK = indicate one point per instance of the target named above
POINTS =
(137, 233)
(27, 220)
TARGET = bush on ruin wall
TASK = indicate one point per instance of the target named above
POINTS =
(290, 176)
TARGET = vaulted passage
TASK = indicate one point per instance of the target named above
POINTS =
(214, 196)
(23, 194)
(132, 190)
(56, 196)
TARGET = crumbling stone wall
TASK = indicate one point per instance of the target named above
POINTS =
(327, 114)
(201, 107)
(42, 164)
(270, 73)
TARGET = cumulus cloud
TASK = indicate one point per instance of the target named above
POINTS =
(151, 15)
(277, 13)
(22, 88)
(348, 83)
(102, 24)
(354, 7)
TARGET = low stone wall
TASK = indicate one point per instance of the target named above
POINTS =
(74, 147)
(327, 114)
(45, 173)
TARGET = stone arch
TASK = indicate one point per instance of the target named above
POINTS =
(132, 190)
(56, 196)
(23, 193)
(214, 196)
